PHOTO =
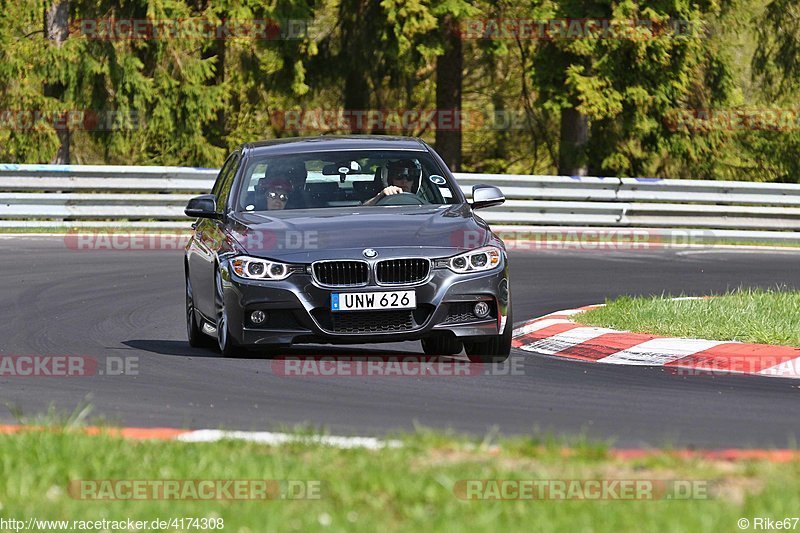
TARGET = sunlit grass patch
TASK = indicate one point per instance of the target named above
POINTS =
(765, 316)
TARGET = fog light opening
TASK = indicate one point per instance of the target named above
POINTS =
(258, 317)
(481, 310)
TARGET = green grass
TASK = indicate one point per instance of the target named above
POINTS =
(746, 315)
(409, 488)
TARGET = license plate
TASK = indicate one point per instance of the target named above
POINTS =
(361, 301)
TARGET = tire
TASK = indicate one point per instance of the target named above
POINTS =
(442, 346)
(225, 341)
(194, 334)
(495, 349)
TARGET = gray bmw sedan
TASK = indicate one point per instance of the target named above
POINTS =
(357, 239)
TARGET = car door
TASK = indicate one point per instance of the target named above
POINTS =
(207, 239)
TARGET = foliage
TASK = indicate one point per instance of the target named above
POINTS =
(188, 100)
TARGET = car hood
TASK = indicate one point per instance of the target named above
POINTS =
(306, 235)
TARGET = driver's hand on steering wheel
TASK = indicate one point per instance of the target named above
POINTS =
(390, 190)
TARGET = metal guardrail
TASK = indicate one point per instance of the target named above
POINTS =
(154, 197)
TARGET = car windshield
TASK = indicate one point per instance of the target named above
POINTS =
(341, 179)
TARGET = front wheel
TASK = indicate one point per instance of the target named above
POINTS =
(195, 335)
(225, 341)
(494, 350)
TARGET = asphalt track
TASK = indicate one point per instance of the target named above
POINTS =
(102, 304)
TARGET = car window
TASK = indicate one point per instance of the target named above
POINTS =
(339, 179)
(226, 181)
(221, 176)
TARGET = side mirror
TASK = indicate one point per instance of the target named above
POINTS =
(203, 206)
(486, 196)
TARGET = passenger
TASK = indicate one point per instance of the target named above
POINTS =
(276, 192)
(402, 178)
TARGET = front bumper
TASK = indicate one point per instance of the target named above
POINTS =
(298, 310)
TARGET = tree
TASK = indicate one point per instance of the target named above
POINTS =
(449, 75)
(24, 132)
(776, 61)
(56, 30)
(625, 84)
(776, 68)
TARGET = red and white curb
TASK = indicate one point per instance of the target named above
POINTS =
(276, 439)
(267, 438)
(558, 335)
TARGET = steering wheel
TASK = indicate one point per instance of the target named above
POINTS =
(403, 198)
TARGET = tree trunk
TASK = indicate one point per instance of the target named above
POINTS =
(56, 28)
(501, 135)
(217, 130)
(449, 74)
(356, 38)
(572, 148)
(356, 100)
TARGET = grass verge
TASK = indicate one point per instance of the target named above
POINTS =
(405, 488)
(745, 315)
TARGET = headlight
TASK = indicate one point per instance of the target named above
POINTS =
(254, 268)
(485, 258)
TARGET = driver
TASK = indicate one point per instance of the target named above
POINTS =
(401, 176)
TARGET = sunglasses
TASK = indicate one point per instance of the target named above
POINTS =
(280, 196)
(402, 178)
